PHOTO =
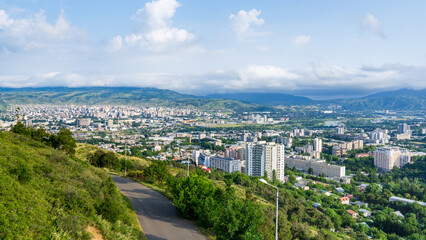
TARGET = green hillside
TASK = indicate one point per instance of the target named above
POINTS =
(45, 194)
(118, 96)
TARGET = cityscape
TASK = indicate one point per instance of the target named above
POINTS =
(166, 119)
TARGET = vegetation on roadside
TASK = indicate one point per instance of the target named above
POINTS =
(48, 193)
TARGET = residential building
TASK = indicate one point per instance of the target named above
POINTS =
(387, 157)
(380, 136)
(344, 200)
(365, 212)
(403, 128)
(264, 157)
(83, 122)
(352, 213)
(342, 148)
(228, 165)
(318, 145)
(340, 130)
(406, 200)
(204, 160)
(318, 166)
(195, 156)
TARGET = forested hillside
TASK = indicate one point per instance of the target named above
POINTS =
(47, 194)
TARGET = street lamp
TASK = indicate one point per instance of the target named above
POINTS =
(276, 220)
(125, 158)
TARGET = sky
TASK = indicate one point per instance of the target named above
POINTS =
(321, 49)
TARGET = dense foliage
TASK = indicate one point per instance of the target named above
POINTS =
(46, 194)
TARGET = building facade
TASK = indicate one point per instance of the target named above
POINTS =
(228, 165)
(386, 158)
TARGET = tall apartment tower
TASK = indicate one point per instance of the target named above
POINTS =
(403, 128)
(318, 145)
(340, 130)
(280, 166)
(387, 157)
(255, 161)
(264, 158)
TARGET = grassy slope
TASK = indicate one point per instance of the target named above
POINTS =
(83, 150)
(46, 194)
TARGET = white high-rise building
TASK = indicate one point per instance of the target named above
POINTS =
(255, 162)
(280, 165)
(340, 130)
(403, 128)
(195, 156)
(387, 157)
(318, 145)
(264, 157)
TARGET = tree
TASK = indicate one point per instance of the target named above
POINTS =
(64, 141)
(20, 128)
(292, 179)
(101, 159)
(239, 220)
(311, 171)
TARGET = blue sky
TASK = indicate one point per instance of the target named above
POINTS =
(322, 49)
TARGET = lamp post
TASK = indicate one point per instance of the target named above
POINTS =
(125, 159)
(276, 216)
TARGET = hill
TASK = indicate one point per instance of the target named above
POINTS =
(265, 98)
(403, 99)
(46, 194)
(118, 96)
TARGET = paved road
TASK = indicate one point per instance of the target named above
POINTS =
(158, 217)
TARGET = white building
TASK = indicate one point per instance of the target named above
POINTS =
(318, 145)
(340, 130)
(406, 200)
(228, 165)
(387, 157)
(380, 136)
(264, 157)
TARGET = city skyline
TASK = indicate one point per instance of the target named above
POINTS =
(326, 49)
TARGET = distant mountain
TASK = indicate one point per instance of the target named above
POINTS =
(118, 96)
(265, 98)
(403, 99)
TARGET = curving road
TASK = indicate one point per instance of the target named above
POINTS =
(156, 214)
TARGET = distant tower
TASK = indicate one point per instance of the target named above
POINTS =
(403, 128)
(340, 130)
(318, 145)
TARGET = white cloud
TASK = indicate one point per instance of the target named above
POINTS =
(241, 23)
(34, 31)
(253, 78)
(373, 24)
(301, 40)
(158, 32)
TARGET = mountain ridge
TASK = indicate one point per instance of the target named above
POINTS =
(402, 99)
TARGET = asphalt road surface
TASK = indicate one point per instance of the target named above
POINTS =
(158, 217)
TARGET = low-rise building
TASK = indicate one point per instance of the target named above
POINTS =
(344, 200)
(365, 212)
(318, 166)
(352, 213)
(406, 200)
(228, 165)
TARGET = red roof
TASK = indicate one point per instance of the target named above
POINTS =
(351, 212)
